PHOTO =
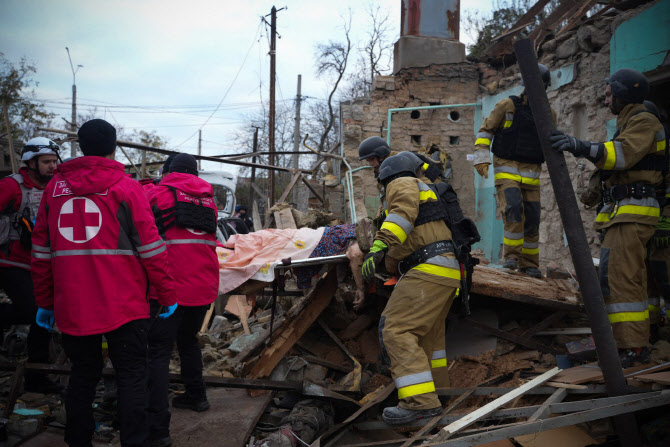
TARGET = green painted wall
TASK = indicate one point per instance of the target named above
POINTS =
(642, 43)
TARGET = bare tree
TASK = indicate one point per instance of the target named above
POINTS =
(377, 48)
(331, 60)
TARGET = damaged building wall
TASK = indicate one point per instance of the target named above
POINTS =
(578, 105)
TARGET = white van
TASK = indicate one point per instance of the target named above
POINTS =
(224, 190)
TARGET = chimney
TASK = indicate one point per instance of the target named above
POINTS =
(429, 32)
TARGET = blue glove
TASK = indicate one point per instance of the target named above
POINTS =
(45, 318)
(170, 310)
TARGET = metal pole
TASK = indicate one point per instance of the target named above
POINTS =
(253, 170)
(73, 144)
(200, 149)
(271, 161)
(143, 174)
(589, 285)
(9, 135)
(296, 138)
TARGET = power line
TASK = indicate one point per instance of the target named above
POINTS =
(253, 42)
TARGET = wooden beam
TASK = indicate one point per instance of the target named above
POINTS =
(471, 418)
(544, 409)
(551, 319)
(14, 387)
(284, 219)
(314, 191)
(577, 16)
(296, 325)
(259, 191)
(518, 339)
(290, 186)
(503, 41)
(557, 15)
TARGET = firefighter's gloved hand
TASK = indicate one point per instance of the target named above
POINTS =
(661, 238)
(168, 311)
(482, 169)
(561, 142)
(373, 259)
(45, 319)
(430, 169)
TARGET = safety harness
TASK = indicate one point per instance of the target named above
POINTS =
(18, 225)
(188, 212)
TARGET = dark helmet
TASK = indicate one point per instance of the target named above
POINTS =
(394, 167)
(652, 108)
(373, 146)
(413, 158)
(545, 73)
(630, 86)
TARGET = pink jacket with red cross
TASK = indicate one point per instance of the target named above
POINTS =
(96, 248)
(192, 253)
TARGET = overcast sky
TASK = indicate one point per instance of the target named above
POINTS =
(165, 65)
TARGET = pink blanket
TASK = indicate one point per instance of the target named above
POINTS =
(256, 254)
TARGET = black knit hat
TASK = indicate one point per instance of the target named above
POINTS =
(184, 163)
(97, 137)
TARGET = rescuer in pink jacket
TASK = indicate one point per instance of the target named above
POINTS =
(186, 215)
(95, 249)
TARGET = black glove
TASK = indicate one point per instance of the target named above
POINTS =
(561, 142)
(432, 172)
(661, 239)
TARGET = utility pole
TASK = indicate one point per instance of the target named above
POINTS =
(199, 149)
(73, 123)
(253, 170)
(273, 62)
(296, 139)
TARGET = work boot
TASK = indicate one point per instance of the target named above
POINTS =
(403, 416)
(631, 356)
(531, 271)
(189, 403)
(511, 264)
(163, 442)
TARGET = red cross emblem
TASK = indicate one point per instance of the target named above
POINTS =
(80, 220)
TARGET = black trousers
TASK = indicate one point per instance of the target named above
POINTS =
(128, 352)
(18, 285)
(182, 326)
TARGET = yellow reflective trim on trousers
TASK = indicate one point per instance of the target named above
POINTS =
(517, 178)
(513, 242)
(482, 141)
(425, 195)
(653, 308)
(413, 390)
(610, 153)
(660, 146)
(507, 124)
(623, 317)
(640, 210)
(396, 230)
(438, 270)
(530, 251)
(439, 363)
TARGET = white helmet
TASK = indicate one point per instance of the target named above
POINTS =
(39, 146)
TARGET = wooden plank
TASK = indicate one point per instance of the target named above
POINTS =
(471, 418)
(514, 286)
(243, 314)
(326, 363)
(556, 16)
(295, 327)
(208, 316)
(662, 377)
(314, 191)
(290, 186)
(544, 410)
(433, 422)
(502, 42)
(284, 219)
(529, 343)
(567, 331)
(256, 216)
(592, 373)
(551, 319)
(568, 386)
(577, 16)
(259, 191)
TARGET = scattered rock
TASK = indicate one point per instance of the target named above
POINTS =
(567, 49)
(660, 352)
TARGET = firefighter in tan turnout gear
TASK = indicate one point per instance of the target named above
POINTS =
(631, 164)
(517, 164)
(412, 325)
